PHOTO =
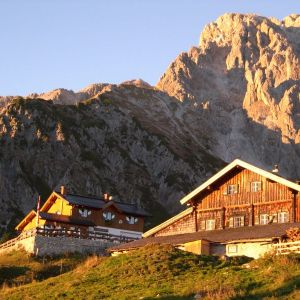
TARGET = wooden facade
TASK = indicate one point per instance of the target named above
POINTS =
(238, 196)
(85, 214)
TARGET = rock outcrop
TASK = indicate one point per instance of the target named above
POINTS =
(242, 82)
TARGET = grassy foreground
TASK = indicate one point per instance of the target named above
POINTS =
(167, 273)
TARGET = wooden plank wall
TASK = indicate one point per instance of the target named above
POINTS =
(216, 204)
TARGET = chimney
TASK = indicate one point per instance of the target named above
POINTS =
(106, 197)
(275, 170)
(62, 190)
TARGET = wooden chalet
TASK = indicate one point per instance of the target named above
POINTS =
(85, 215)
(241, 210)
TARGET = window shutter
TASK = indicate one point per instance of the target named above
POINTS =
(237, 189)
(231, 222)
(202, 225)
(242, 221)
(260, 185)
(225, 190)
(287, 217)
(256, 220)
(275, 218)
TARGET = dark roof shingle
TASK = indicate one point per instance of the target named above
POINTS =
(216, 236)
(98, 203)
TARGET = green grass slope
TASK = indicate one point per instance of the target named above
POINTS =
(167, 273)
(19, 268)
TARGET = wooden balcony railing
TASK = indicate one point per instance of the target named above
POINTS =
(61, 232)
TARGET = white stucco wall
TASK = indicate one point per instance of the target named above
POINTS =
(254, 249)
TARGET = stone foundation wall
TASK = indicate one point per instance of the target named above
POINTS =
(43, 245)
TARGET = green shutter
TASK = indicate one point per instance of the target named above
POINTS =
(231, 222)
(256, 220)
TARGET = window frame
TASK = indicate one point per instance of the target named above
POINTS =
(208, 224)
(285, 218)
(108, 215)
(266, 218)
(232, 189)
(240, 223)
(255, 186)
(84, 212)
(232, 248)
(131, 220)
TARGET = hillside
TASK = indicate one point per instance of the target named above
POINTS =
(166, 273)
(97, 146)
(234, 95)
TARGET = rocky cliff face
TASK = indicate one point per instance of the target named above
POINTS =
(127, 141)
(235, 95)
(242, 82)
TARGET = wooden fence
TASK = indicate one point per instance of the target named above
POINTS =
(61, 232)
(286, 248)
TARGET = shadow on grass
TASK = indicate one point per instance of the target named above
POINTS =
(284, 290)
(9, 273)
(190, 297)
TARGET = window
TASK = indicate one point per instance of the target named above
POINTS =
(232, 248)
(238, 221)
(108, 216)
(84, 212)
(256, 186)
(232, 189)
(210, 224)
(283, 217)
(131, 220)
(264, 219)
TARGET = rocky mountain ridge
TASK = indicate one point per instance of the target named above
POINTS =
(235, 95)
(243, 80)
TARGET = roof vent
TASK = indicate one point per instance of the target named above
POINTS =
(275, 170)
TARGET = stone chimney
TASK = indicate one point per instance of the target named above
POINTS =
(63, 190)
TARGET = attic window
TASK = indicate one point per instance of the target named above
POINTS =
(84, 212)
(232, 189)
(256, 186)
(131, 220)
(108, 216)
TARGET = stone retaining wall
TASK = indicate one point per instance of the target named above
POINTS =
(43, 245)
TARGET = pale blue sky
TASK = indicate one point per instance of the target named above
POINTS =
(47, 44)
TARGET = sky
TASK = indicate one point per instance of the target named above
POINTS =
(48, 44)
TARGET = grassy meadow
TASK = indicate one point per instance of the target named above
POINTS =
(153, 272)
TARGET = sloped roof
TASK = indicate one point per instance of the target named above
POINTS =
(240, 234)
(65, 219)
(168, 222)
(99, 203)
(245, 165)
(25, 220)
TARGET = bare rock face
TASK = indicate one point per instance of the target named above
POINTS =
(126, 140)
(243, 84)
